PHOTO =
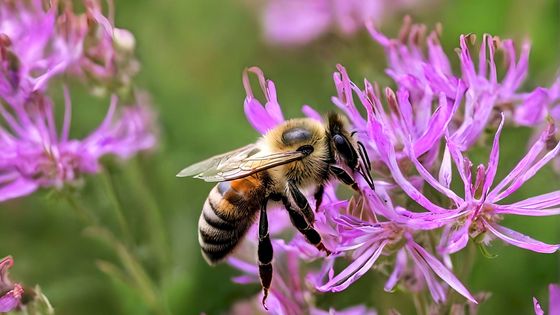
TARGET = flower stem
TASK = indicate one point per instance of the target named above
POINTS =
(418, 304)
(108, 180)
(83, 213)
(153, 215)
(133, 267)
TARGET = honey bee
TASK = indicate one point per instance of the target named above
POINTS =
(298, 155)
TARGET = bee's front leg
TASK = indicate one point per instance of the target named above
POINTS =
(301, 202)
(344, 177)
(319, 197)
(301, 223)
(265, 253)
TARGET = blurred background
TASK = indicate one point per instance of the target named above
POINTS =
(192, 55)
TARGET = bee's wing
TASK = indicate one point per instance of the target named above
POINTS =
(238, 164)
(218, 160)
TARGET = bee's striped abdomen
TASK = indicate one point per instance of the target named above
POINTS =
(226, 216)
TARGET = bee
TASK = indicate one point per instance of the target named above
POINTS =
(298, 155)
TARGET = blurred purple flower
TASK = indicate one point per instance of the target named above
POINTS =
(297, 22)
(352, 310)
(428, 75)
(34, 154)
(10, 293)
(37, 44)
(30, 50)
(108, 52)
(553, 301)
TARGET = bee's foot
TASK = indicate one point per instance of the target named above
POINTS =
(265, 295)
(323, 248)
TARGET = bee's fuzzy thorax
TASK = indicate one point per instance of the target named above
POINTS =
(311, 169)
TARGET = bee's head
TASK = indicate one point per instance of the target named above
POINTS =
(347, 150)
(342, 142)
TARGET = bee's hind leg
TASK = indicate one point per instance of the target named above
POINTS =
(265, 253)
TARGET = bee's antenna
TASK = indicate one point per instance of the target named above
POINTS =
(367, 176)
(365, 166)
(363, 154)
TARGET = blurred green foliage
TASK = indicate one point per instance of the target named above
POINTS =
(192, 55)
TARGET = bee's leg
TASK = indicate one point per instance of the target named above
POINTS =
(299, 221)
(301, 202)
(265, 253)
(319, 197)
(344, 177)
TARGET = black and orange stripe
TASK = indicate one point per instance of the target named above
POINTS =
(227, 214)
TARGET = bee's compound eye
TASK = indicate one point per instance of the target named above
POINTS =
(346, 150)
(295, 135)
(339, 141)
(306, 149)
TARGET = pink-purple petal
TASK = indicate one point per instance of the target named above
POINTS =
(553, 299)
(355, 270)
(442, 271)
(494, 159)
(537, 307)
(520, 240)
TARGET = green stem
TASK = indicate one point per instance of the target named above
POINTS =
(134, 268)
(153, 215)
(418, 304)
(108, 180)
(84, 214)
(464, 270)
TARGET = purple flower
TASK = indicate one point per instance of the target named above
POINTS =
(289, 293)
(478, 213)
(482, 205)
(296, 22)
(34, 154)
(426, 75)
(10, 293)
(553, 301)
(414, 142)
(403, 121)
(369, 241)
(480, 209)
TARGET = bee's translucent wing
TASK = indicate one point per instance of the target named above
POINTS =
(218, 160)
(238, 164)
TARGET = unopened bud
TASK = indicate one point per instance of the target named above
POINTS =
(123, 39)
